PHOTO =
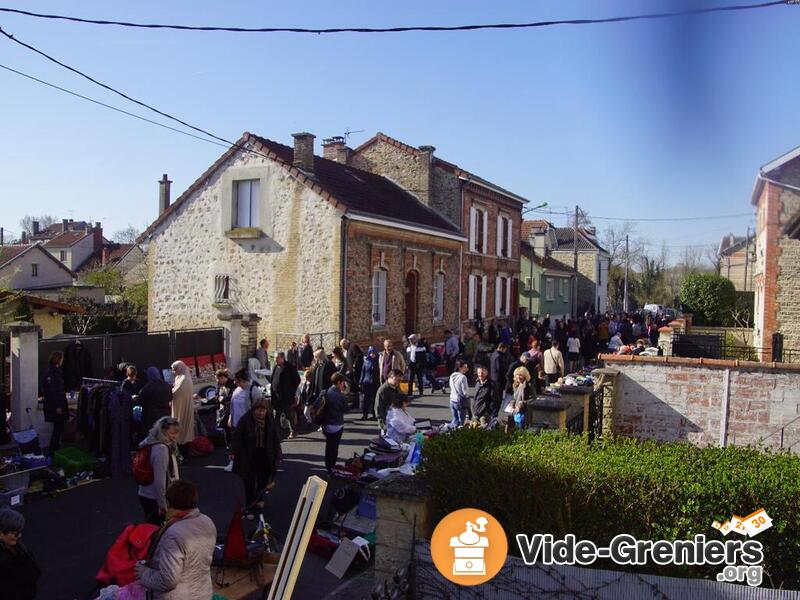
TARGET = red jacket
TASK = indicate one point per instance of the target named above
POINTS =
(131, 546)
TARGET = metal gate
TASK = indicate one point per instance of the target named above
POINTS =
(698, 346)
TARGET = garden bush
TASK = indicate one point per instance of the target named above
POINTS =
(710, 298)
(559, 484)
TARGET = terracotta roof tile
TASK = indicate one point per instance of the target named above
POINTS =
(9, 253)
(66, 239)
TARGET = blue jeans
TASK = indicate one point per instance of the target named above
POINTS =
(458, 414)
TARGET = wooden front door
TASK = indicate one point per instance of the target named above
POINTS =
(412, 280)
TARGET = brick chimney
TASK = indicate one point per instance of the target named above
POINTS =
(304, 151)
(35, 225)
(163, 193)
(335, 149)
(97, 235)
(104, 256)
(64, 225)
(24, 237)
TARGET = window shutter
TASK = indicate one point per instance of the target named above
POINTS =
(500, 236)
(508, 296)
(483, 297)
(485, 243)
(255, 200)
(473, 228)
(509, 238)
(471, 298)
(382, 296)
(498, 282)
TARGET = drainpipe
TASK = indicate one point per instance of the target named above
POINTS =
(726, 400)
(343, 281)
(461, 258)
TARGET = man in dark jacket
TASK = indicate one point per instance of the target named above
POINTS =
(387, 393)
(498, 369)
(332, 419)
(54, 399)
(354, 362)
(306, 352)
(483, 404)
(285, 381)
(256, 450)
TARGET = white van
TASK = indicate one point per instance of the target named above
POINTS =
(654, 309)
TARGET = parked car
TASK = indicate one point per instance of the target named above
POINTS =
(654, 309)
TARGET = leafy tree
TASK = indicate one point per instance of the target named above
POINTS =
(109, 279)
(710, 298)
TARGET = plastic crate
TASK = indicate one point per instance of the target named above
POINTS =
(367, 507)
(12, 498)
(74, 460)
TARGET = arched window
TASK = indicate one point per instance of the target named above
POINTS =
(379, 297)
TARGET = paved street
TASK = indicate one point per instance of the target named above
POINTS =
(69, 535)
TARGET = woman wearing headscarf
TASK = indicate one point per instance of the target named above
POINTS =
(164, 464)
(370, 382)
(183, 404)
(154, 400)
(256, 450)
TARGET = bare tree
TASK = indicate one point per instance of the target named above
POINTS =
(127, 235)
(26, 223)
(711, 254)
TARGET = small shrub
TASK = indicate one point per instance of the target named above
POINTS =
(555, 483)
(710, 298)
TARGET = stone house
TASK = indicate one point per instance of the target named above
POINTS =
(487, 215)
(733, 265)
(291, 242)
(776, 198)
(593, 260)
(31, 267)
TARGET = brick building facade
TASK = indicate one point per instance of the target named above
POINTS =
(776, 197)
(487, 215)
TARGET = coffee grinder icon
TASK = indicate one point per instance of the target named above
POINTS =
(469, 549)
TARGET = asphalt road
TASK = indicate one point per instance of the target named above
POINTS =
(70, 534)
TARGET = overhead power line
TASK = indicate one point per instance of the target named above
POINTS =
(109, 106)
(426, 28)
(590, 216)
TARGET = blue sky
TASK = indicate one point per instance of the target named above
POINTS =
(644, 119)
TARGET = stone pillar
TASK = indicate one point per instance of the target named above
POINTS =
(24, 372)
(665, 340)
(249, 340)
(232, 326)
(399, 500)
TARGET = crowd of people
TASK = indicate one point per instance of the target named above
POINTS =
(492, 374)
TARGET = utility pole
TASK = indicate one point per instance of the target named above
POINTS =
(530, 286)
(746, 256)
(575, 262)
(627, 262)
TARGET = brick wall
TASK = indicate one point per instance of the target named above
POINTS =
(370, 247)
(670, 399)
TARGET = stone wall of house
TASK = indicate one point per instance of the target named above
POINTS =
(670, 399)
(370, 247)
(411, 169)
(290, 281)
(788, 263)
(587, 275)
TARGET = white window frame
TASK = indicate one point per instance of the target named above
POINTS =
(254, 199)
(379, 280)
(502, 295)
(471, 297)
(510, 237)
(504, 230)
(508, 296)
(549, 286)
(438, 297)
(483, 295)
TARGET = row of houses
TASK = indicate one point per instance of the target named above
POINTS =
(48, 268)
(378, 241)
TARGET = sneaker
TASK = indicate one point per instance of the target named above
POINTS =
(292, 435)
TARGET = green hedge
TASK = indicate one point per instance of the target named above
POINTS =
(555, 483)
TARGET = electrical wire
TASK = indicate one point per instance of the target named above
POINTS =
(109, 106)
(655, 219)
(424, 28)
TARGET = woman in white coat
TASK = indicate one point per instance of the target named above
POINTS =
(399, 424)
(183, 404)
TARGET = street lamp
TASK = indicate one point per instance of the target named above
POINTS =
(533, 254)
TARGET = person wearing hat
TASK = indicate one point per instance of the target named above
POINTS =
(415, 357)
(19, 572)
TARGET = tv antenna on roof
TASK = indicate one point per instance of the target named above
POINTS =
(348, 132)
